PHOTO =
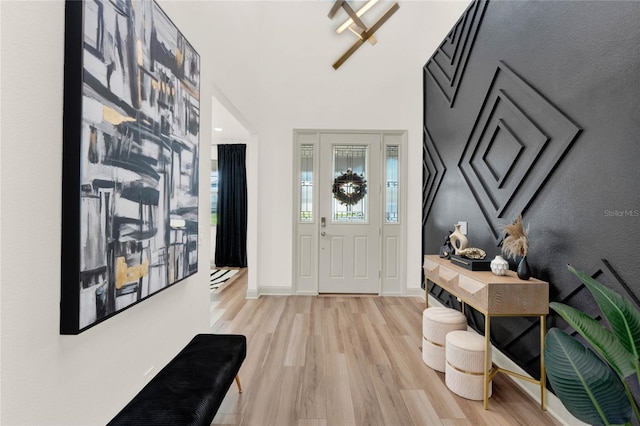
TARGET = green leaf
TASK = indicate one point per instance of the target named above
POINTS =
(622, 316)
(602, 340)
(587, 387)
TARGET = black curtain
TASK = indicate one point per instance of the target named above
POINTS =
(231, 235)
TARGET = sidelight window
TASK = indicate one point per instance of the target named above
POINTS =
(306, 183)
(392, 190)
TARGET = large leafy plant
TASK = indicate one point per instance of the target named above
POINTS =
(593, 388)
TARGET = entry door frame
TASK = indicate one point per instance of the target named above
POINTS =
(306, 233)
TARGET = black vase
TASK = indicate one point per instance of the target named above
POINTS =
(523, 271)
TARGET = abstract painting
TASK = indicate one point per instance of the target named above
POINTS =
(130, 158)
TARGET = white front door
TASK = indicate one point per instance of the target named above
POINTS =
(349, 210)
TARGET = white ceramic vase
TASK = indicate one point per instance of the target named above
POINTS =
(458, 240)
(499, 266)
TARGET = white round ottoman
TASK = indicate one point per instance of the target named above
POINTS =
(436, 323)
(465, 364)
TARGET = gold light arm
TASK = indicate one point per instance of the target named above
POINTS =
(354, 16)
(334, 9)
(366, 35)
(354, 29)
(359, 13)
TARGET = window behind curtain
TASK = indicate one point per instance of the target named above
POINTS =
(214, 192)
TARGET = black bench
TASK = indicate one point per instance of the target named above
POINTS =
(190, 389)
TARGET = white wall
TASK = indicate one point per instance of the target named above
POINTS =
(379, 87)
(273, 63)
(272, 60)
(47, 378)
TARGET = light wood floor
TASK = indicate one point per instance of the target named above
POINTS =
(346, 360)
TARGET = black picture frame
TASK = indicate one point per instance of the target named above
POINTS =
(130, 159)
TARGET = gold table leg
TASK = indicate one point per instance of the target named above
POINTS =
(426, 292)
(543, 375)
(487, 360)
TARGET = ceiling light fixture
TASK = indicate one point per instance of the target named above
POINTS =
(217, 129)
(355, 25)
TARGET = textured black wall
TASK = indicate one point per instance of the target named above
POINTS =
(534, 107)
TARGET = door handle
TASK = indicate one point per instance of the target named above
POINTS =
(323, 233)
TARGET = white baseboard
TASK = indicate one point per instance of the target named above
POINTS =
(392, 294)
(306, 293)
(554, 405)
(414, 292)
(275, 291)
(252, 294)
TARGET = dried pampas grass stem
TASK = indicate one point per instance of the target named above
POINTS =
(515, 239)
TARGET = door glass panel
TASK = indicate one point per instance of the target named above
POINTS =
(306, 183)
(349, 189)
(391, 192)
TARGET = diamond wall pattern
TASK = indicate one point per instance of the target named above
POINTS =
(447, 64)
(433, 170)
(517, 140)
(536, 106)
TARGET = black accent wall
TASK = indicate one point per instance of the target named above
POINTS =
(533, 107)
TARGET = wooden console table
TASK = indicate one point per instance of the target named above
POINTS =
(493, 296)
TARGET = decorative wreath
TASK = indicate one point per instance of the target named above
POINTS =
(349, 188)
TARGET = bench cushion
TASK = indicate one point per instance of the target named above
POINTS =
(190, 389)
